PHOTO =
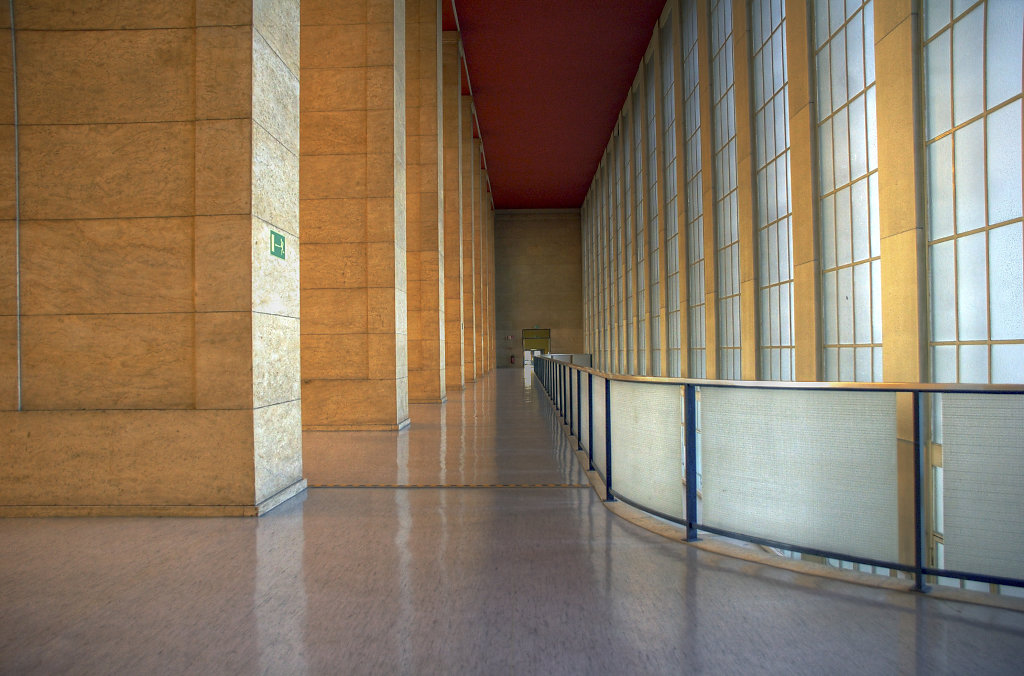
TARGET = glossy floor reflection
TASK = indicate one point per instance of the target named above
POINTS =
(453, 581)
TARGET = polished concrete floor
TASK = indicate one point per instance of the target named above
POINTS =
(513, 568)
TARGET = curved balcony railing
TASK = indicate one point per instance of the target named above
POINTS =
(919, 478)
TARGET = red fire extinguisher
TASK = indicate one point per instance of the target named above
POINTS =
(512, 358)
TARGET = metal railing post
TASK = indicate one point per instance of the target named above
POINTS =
(579, 411)
(919, 540)
(690, 451)
(608, 497)
(590, 421)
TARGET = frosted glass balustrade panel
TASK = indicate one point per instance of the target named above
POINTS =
(647, 445)
(598, 425)
(584, 437)
(983, 483)
(811, 468)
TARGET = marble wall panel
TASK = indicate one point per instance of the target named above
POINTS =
(275, 359)
(129, 76)
(7, 194)
(332, 89)
(275, 94)
(224, 166)
(349, 404)
(278, 22)
(105, 266)
(334, 133)
(335, 266)
(275, 180)
(108, 361)
(223, 265)
(277, 433)
(8, 271)
(325, 12)
(382, 309)
(332, 176)
(60, 15)
(223, 56)
(321, 219)
(333, 45)
(275, 282)
(223, 12)
(223, 359)
(8, 363)
(127, 458)
(381, 357)
(336, 357)
(107, 171)
(334, 311)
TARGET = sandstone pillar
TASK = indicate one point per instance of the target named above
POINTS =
(353, 203)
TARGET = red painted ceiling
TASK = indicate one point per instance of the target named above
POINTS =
(549, 78)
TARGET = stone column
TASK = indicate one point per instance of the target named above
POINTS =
(451, 107)
(803, 184)
(425, 202)
(469, 179)
(149, 294)
(353, 196)
(900, 171)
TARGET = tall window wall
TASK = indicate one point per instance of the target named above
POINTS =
(727, 231)
(771, 156)
(668, 145)
(848, 179)
(813, 219)
(639, 194)
(696, 325)
(972, 61)
(651, 203)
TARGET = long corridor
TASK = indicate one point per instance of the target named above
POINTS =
(469, 543)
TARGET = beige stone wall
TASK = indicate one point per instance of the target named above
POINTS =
(452, 177)
(470, 176)
(148, 340)
(353, 214)
(538, 279)
(425, 202)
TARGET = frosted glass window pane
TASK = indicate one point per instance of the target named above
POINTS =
(1004, 164)
(858, 139)
(838, 47)
(968, 66)
(862, 303)
(876, 238)
(820, 22)
(972, 300)
(872, 130)
(936, 15)
(829, 305)
(786, 300)
(860, 214)
(837, 13)
(863, 364)
(1005, 281)
(847, 372)
(785, 262)
(824, 85)
(944, 364)
(960, 6)
(969, 145)
(940, 188)
(1003, 44)
(876, 373)
(844, 238)
(1008, 363)
(855, 55)
(974, 363)
(844, 279)
(841, 147)
(938, 107)
(825, 153)
(831, 364)
(828, 231)
(876, 301)
(782, 185)
(869, 42)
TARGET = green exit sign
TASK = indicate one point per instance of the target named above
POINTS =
(277, 245)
